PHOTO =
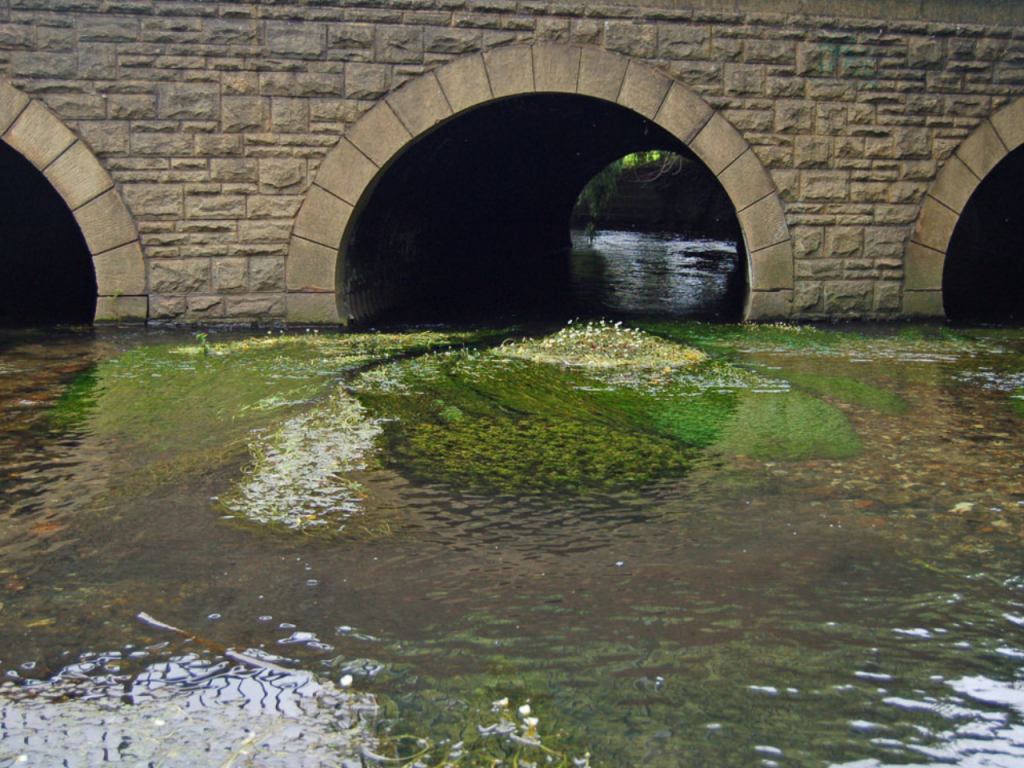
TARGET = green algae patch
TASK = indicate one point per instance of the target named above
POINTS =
(173, 409)
(788, 426)
(847, 390)
(73, 407)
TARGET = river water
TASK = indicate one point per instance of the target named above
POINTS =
(832, 577)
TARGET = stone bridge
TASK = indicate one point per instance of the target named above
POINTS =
(311, 161)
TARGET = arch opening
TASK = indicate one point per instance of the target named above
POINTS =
(983, 273)
(474, 218)
(47, 270)
(655, 233)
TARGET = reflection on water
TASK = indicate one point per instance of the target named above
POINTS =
(863, 610)
(639, 273)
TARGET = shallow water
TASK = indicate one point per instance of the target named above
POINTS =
(857, 601)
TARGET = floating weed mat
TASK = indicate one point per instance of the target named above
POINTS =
(297, 480)
(602, 344)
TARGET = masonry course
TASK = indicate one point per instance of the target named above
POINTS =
(211, 120)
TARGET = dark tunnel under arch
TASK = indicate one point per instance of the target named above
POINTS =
(48, 273)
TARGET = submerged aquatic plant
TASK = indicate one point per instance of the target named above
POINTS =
(298, 475)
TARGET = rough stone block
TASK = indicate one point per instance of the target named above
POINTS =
(204, 307)
(266, 273)
(229, 275)
(106, 137)
(230, 31)
(367, 81)
(683, 41)
(452, 41)
(38, 135)
(935, 225)
(636, 40)
(924, 52)
(825, 186)
(78, 176)
(346, 172)
(311, 267)
(464, 82)
(323, 218)
(923, 268)
(167, 307)
(763, 224)
(122, 310)
(807, 298)
(154, 200)
(188, 101)
(885, 242)
(178, 276)
(233, 169)
(643, 90)
(241, 113)
(888, 298)
(912, 143)
(109, 29)
(768, 306)
(256, 307)
(982, 150)
(811, 152)
(794, 116)
(718, 144)
(844, 242)
(281, 173)
(304, 40)
(923, 304)
(12, 104)
(132, 106)
(771, 269)
(273, 206)
(744, 80)
(556, 68)
(848, 297)
(421, 104)
(379, 134)
(120, 271)
(746, 181)
(815, 60)
(510, 70)
(105, 223)
(215, 206)
(56, 66)
(313, 309)
(399, 44)
(289, 115)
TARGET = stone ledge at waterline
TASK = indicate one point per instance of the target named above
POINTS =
(217, 155)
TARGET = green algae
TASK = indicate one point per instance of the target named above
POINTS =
(788, 426)
(848, 390)
(73, 406)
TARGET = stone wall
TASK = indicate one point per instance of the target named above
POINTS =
(212, 118)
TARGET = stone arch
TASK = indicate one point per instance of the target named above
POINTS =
(347, 175)
(960, 176)
(43, 139)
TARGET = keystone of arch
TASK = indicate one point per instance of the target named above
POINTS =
(87, 189)
(348, 173)
(960, 176)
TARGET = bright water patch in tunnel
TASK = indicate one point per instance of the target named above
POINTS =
(474, 218)
(47, 270)
(983, 277)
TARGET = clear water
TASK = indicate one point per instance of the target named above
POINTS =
(860, 610)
